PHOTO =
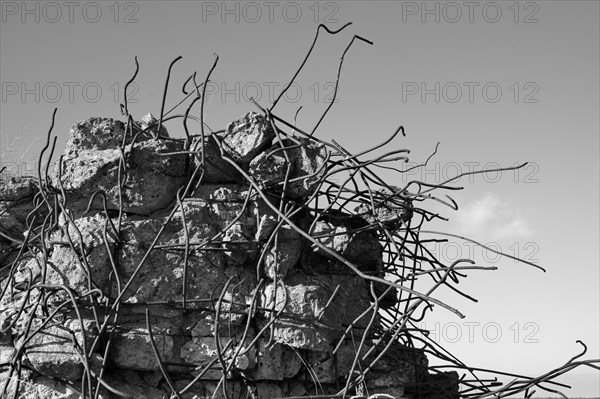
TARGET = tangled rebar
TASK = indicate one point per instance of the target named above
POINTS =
(315, 207)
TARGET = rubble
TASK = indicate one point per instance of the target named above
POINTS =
(306, 321)
(215, 168)
(52, 352)
(283, 302)
(132, 350)
(306, 167)
(92, 160)
(246, 137)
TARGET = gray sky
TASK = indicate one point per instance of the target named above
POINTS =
(497, 83)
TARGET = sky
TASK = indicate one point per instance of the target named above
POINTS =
(496, 83)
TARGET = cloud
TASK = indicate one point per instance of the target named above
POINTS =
(491, 218)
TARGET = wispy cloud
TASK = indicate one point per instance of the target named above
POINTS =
(491, 218)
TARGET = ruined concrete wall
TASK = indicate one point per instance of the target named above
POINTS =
(190, 273)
